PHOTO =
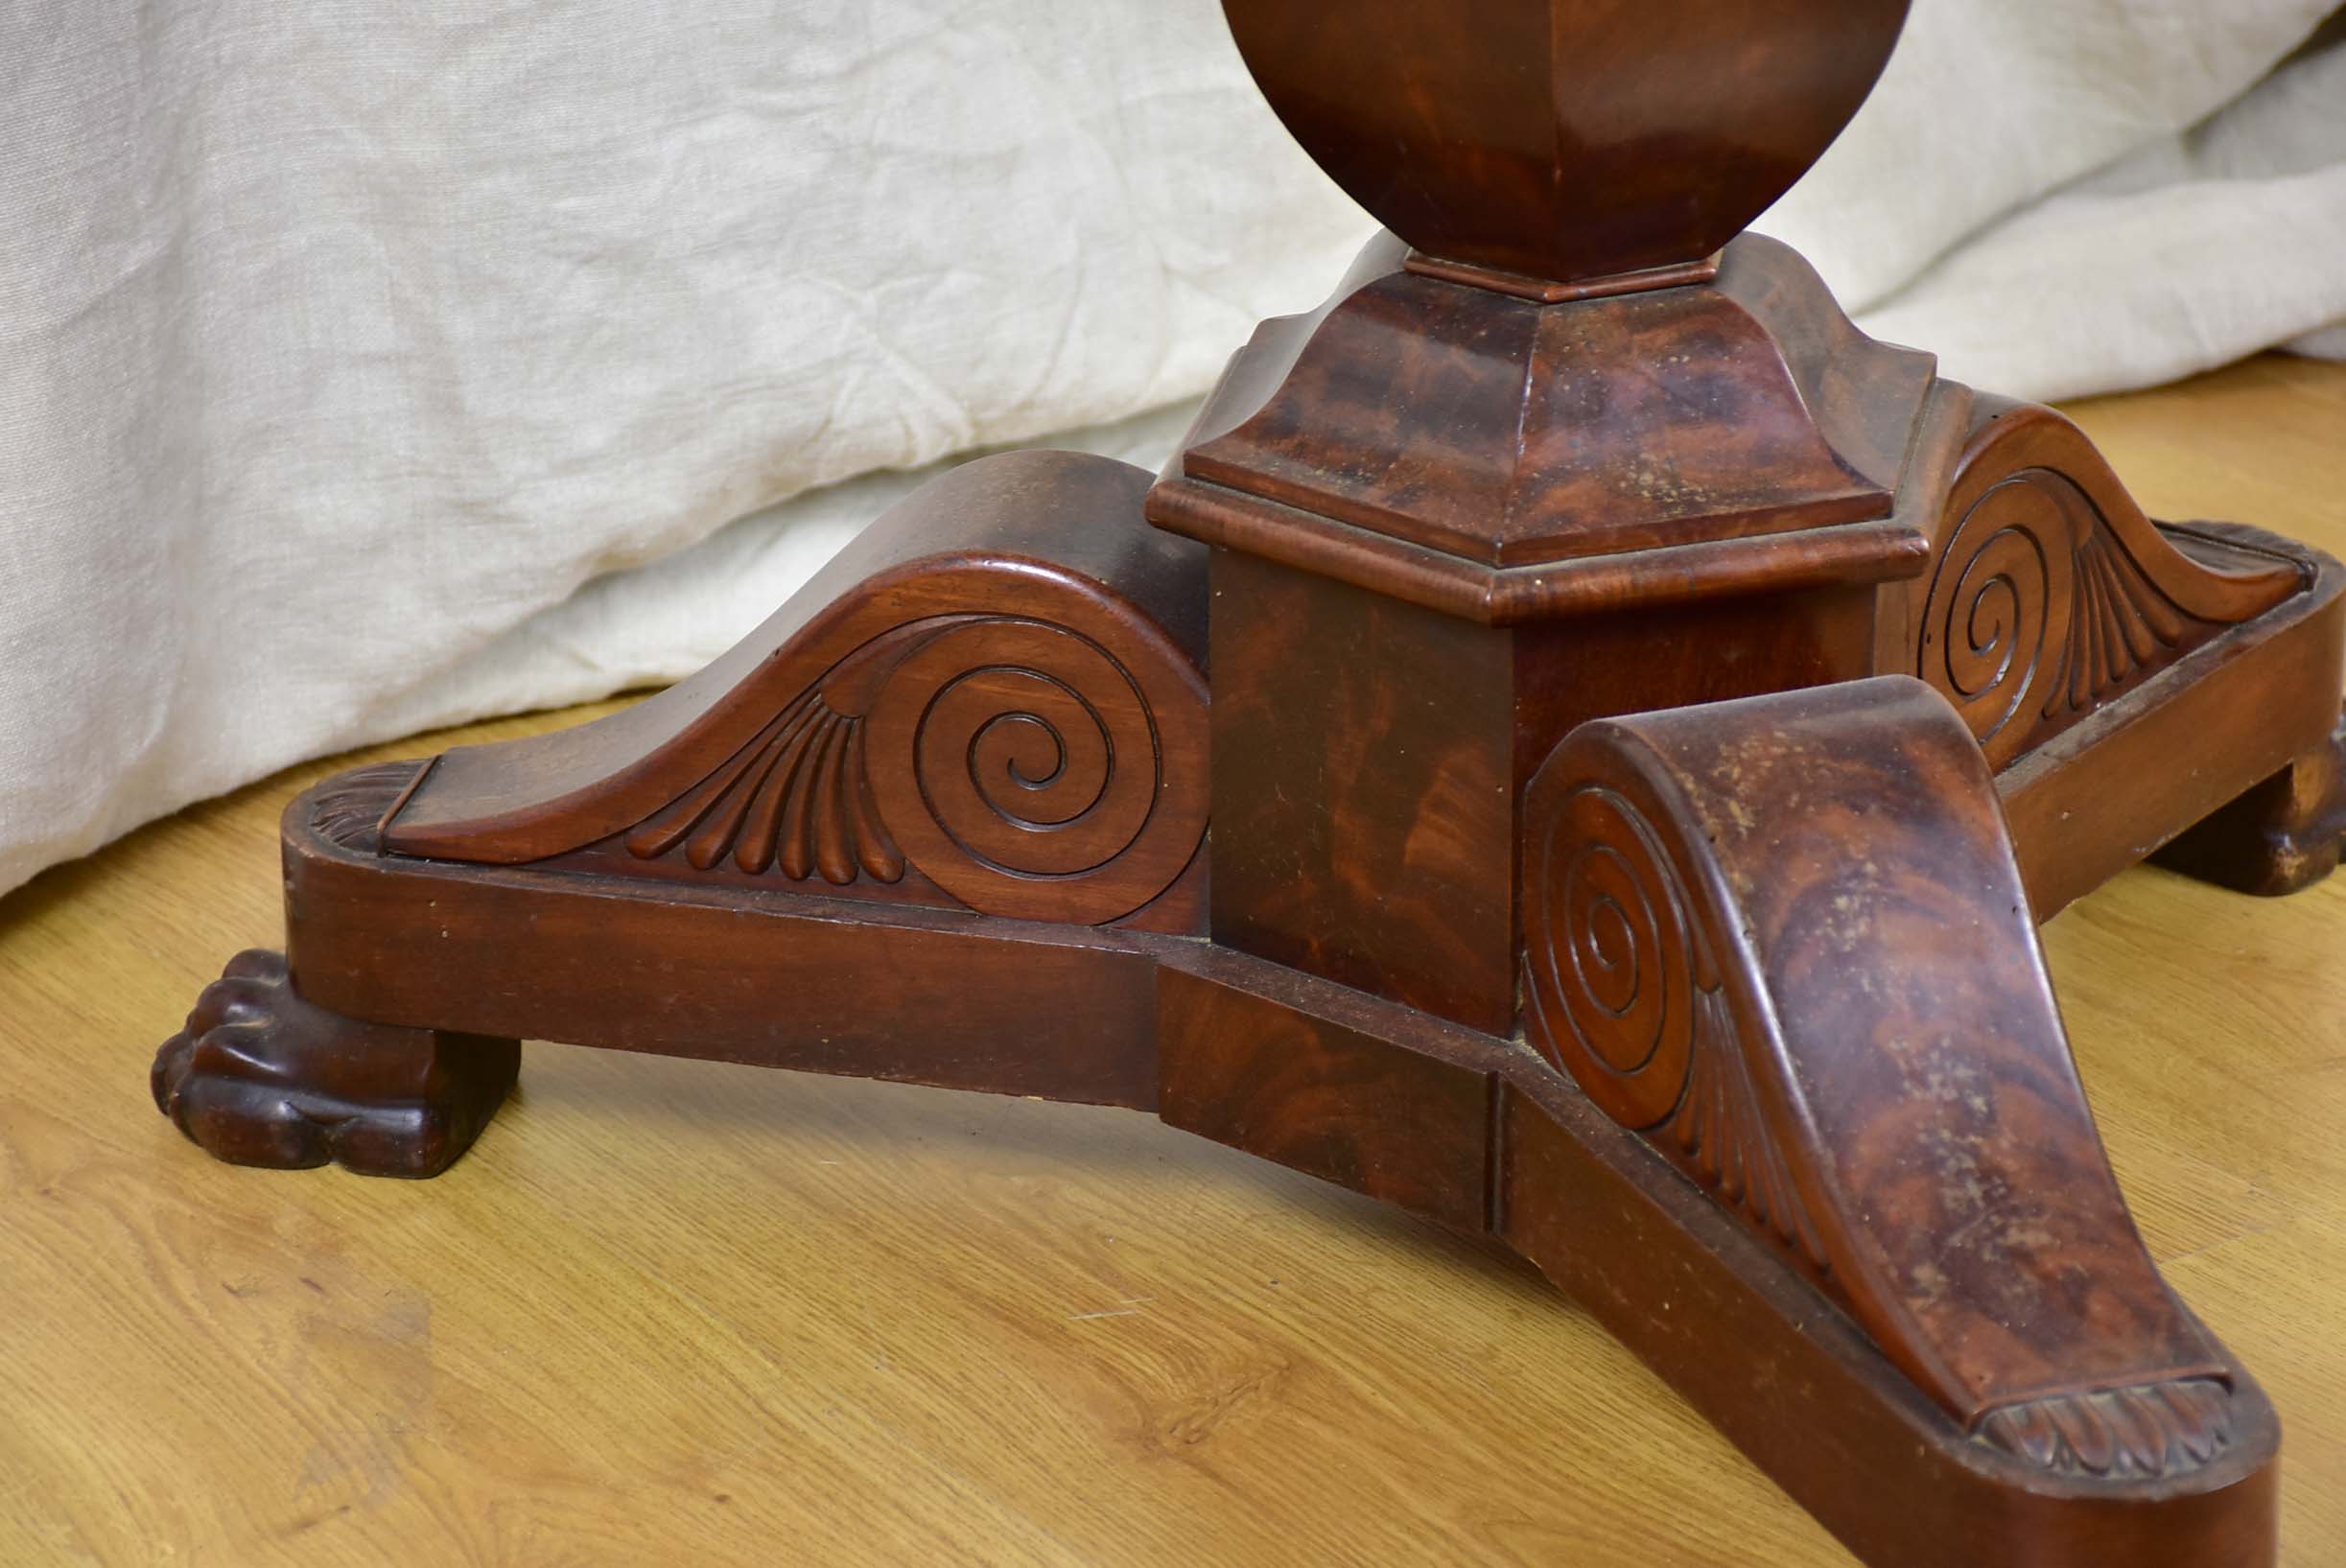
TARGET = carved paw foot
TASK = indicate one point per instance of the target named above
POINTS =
(2281, 837)
(260, 1077)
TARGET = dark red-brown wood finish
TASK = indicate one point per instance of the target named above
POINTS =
(1640, 719)
(1566, 140)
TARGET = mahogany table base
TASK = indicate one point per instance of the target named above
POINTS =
(1641, 719)
(1790, 1108)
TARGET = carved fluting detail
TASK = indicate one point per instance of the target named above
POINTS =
(349, 809)
(1625, 995)
(2121, 624)
(2140, 1433)
(1719, 1134)
(797, 799)
(1014, 762)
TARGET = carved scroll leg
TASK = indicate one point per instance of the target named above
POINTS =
(1784, 940)
(262, 1077)
(2280, 837)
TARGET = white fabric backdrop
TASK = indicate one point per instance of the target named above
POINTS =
(364, 368)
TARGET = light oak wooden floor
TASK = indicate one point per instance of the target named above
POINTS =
(671, 1312)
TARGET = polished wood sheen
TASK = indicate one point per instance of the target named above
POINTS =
(1576, 744)
(982, 714)
(673, 1310)
(1834, 1015)
(1658, 432)
(2051, 592)
(1566, 139)
(261, 1076)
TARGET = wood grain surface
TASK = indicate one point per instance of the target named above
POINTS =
(672, 1311)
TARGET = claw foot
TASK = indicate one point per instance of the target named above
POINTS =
(260, 1077)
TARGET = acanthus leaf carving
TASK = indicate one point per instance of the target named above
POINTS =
(2145, 1431)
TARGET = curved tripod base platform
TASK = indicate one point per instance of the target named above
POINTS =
(2120, 1431)
(1787, 1104)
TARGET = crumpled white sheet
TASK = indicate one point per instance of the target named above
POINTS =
(369, 369)
(2065, 197)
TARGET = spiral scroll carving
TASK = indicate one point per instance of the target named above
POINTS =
(1037, 767)
(1735, 920)
(1018, 764)
(1624, 996)
(1613, 959)
(2041, 610)
(1985, 632)
(797, 799)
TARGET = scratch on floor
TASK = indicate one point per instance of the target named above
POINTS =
(1130, 1307)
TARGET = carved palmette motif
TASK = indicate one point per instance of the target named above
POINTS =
(992, 701)
(1014, 762)
(350, 808)
(2054, 594)
(797, 799)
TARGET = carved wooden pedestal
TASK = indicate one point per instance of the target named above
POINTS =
(1646, 720)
